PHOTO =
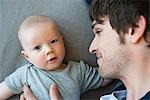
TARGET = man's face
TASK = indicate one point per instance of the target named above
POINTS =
(111, 54)
(44, 46)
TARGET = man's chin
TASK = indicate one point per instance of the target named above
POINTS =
(104, 74)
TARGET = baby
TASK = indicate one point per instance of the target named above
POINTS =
(43, 47)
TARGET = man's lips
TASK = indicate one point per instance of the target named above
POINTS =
(99, 56)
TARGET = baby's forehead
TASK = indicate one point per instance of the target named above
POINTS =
(33, 21)
(28, 26)
(48, 26)
(35, 24)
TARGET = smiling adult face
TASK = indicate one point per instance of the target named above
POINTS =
(112, 55)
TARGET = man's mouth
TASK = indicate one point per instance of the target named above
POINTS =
(99, 56)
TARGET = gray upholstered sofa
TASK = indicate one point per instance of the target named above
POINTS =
(73, 20)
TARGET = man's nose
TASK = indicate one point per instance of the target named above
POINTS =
(48, 49)
(92, 48)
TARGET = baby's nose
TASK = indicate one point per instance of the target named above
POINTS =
(49, 50)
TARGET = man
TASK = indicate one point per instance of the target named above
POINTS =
(122, 45)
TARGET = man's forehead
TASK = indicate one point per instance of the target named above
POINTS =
(100, 22)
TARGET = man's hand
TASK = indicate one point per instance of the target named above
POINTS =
(54, 93)
(27, 94)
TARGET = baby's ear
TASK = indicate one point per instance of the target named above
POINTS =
(24, 54)
(62, 37)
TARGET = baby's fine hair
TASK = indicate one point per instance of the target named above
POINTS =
(32, 21)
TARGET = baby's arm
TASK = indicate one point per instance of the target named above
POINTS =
(5, 91)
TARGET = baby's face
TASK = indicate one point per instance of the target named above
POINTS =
(44, 46)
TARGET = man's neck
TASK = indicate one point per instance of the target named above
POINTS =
(136, 76)
(137, 82)
(137, 94)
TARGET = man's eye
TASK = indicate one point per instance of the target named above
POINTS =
(53, 41)
(98, 32)
(37, 48)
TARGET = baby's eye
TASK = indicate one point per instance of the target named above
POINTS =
(37, 48)
(53, 41)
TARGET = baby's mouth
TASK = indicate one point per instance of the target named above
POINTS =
(54, 58)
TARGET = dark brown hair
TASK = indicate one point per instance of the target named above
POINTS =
(122, 14)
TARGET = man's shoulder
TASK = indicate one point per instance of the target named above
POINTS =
(116, 95)
(121, 95)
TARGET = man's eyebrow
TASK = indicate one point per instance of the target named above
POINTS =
(94, 25)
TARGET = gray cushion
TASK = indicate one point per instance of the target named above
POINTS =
(71, 16)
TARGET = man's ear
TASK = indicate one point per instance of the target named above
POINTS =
(138, 32)
(24, 54)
